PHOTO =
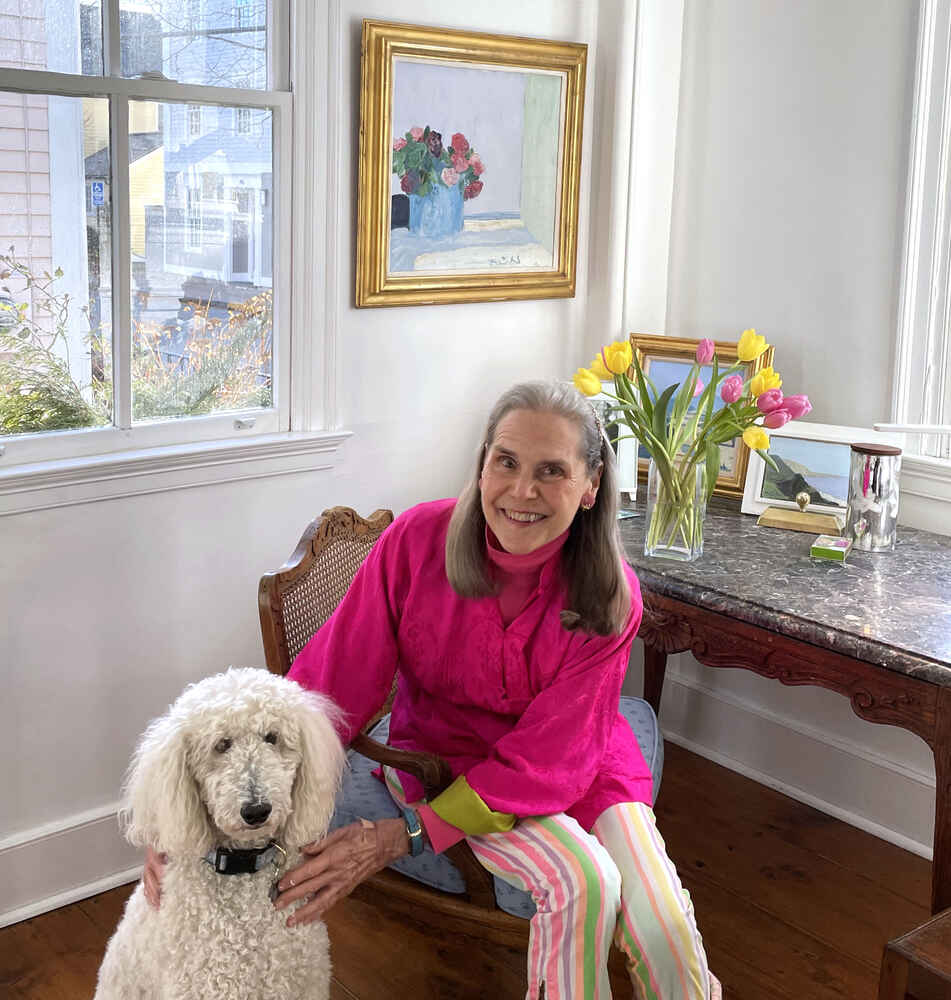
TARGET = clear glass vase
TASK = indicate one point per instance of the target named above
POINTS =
(676, 506)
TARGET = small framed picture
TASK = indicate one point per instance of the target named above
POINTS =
(666, 361)
(811, 458)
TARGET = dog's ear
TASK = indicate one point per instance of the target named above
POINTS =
(321, 769)
(162, 807)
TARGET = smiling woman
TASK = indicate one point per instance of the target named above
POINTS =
(510, 615)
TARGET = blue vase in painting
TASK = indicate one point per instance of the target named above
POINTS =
(438, 213)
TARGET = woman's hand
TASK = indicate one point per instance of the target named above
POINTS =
(152, 876)
(337, 864)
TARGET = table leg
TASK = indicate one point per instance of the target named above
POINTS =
(655, 666)
(941, 865)
(894, 978)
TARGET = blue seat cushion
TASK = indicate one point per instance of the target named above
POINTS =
(364, 795)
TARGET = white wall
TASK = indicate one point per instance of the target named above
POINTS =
(788, 209)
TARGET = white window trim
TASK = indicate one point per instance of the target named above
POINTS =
(924, 311)
(107, 463)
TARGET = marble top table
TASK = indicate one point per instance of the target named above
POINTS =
(876, 628)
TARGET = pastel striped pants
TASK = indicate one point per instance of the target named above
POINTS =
(615, 883)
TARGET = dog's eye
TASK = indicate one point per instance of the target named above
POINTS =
(270, 737)
(223, 745)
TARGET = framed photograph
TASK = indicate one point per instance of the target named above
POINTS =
(470, 160)
(666, 361)
(814, 458)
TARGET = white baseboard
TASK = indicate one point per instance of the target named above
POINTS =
(60, 863)
(837, 775)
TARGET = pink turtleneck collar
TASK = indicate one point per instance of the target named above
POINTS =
(518, 574)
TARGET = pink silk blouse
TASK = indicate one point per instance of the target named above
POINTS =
(528, 711)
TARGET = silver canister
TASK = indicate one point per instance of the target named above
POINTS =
(871, 517)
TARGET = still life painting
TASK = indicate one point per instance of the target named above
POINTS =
(469, 167)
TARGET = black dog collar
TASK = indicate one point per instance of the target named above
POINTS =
(237, 861)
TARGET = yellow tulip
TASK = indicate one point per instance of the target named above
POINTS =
(755, 438)
(597, 366)
(763, 380)
(587, 382)
(618, 356)
(750, 346)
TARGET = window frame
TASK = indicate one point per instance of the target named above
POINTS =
(922, 370)
(24, 452)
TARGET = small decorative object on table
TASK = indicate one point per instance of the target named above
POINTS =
(682, 433)
(802, 519)
(833, 547)
(871, 517)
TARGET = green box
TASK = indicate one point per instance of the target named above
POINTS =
(833, 547)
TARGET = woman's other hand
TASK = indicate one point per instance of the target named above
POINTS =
(152, 876)
(336, 865)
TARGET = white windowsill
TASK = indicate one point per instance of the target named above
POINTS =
(44, 485)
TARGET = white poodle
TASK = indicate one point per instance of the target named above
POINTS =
(242, 770)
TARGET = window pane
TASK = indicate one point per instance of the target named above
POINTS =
(202, 228)
(54, 263)
(60, 35)
(221, 43)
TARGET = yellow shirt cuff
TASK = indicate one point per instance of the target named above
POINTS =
(464, 808)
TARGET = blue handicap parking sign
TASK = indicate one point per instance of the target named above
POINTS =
(98, 192)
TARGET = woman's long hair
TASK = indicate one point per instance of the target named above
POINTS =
(592, 563)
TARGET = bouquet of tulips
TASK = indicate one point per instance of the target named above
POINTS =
(684, 441)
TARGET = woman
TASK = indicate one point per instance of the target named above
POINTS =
(510, 614)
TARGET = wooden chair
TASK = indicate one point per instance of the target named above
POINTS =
(293, 603)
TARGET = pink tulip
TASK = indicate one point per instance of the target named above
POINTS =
(732, 389)
(776, 418)
(705, 352)
(698, 388)
(416, 132)
(770, 400)
(798, 406)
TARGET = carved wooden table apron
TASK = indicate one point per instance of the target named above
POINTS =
(876, 629)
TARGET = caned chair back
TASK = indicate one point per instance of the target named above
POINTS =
(295, 600)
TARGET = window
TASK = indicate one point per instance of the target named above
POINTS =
(242, 14)
(137, 309)
(194, 121)
(922, 388)
(193, 225)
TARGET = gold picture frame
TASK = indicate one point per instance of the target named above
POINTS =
(675, 352)
(420, 93)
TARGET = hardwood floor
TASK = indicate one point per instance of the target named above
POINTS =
(791, 904)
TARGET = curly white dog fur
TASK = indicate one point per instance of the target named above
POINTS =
(241, 759)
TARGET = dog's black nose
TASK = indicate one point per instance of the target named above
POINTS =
(255, 813)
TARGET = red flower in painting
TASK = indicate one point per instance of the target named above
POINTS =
(472, 190)
(459, 142)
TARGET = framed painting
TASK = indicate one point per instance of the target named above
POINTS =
(470, 160)
(667, 361)
(812, 458)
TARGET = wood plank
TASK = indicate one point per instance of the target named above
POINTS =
(774, 814)
(739, 930)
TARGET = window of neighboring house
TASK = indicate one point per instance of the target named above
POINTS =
(193, 223)
(194, 121)
(114, 332)
(242, 14)
(922, 384)
(242, 121)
